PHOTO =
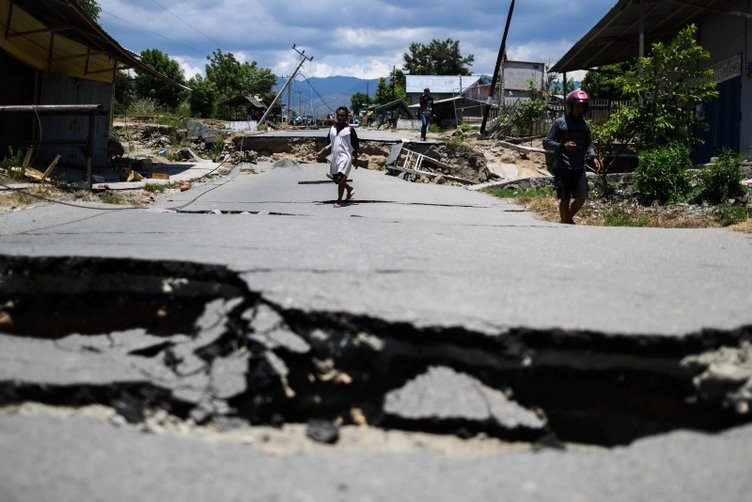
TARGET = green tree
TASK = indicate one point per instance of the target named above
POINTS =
(91, 7)
(601, 82)
(358, 101)
(384, 93)
(391, 89)
(124, 92)
(231, 77)
(163, 93)
(664, 90)
(437, 58)
(203, 99)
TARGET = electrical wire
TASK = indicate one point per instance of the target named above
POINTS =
(317, 93)
(187, 24)
(197, 51)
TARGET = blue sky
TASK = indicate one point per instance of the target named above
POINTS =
(359, 38)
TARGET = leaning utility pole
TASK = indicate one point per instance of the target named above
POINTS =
(303, 59)
(499, 60)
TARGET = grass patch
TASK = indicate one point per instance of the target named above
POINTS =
(112, 198)
(730, 214)
(628, 213)
(159, 187)
(521, 195)
(617, 217)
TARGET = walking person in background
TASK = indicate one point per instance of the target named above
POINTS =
(426, 111)
(343, 145)
(570, 140)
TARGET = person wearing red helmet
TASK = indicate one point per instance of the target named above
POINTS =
(570, 140)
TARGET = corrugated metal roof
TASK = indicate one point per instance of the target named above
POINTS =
(243, 101)
(440, 84)
(615, 38)
(56, 36)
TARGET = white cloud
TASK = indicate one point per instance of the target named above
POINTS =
(361, 38)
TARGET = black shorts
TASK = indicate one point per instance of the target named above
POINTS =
(570, 184)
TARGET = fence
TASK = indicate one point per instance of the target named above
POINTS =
(599, 110)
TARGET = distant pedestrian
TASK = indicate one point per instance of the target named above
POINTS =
(425, 111)
(570, 140)
(343, 145)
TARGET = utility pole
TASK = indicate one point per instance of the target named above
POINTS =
(499, 61)
(394, 71)
(289, 106)
(303, 59)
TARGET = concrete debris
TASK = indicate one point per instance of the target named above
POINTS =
(724, 375)
(268, 328)
(443, 394)
(322, 431)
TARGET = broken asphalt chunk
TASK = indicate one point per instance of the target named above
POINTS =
(442, 395)
(322, 431)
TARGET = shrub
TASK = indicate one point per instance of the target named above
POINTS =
(722, 180)
(143, 106)
(526, 114)
(13, 159)
(662, 174)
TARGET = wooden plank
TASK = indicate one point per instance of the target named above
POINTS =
(51, 167)
(33, 173)
(27, 158)
(524, 149)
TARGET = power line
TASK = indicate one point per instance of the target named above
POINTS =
(188, 25)
(317, 92)
(153, 33)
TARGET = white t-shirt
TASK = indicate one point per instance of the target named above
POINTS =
(342, 150)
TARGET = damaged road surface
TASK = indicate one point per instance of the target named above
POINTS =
(246, 340)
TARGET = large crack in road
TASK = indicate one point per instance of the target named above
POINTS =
(197, 342)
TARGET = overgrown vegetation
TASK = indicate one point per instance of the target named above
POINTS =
(721, 180)
(630, 213)
(662, 92)
(662, 176)
(13, 159)
(158, 187)
(526, 118)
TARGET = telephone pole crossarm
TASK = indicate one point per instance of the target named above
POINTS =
(303, 59)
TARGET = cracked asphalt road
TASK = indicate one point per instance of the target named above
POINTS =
(435, 258)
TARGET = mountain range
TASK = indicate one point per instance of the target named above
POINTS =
(320, 96)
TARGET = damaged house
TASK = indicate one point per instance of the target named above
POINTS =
(244, 109)
(457, 98)
(57, 74)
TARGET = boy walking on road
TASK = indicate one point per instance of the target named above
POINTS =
(343, 144)
(570, 140)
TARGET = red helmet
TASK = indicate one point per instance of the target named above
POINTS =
(578, 96)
